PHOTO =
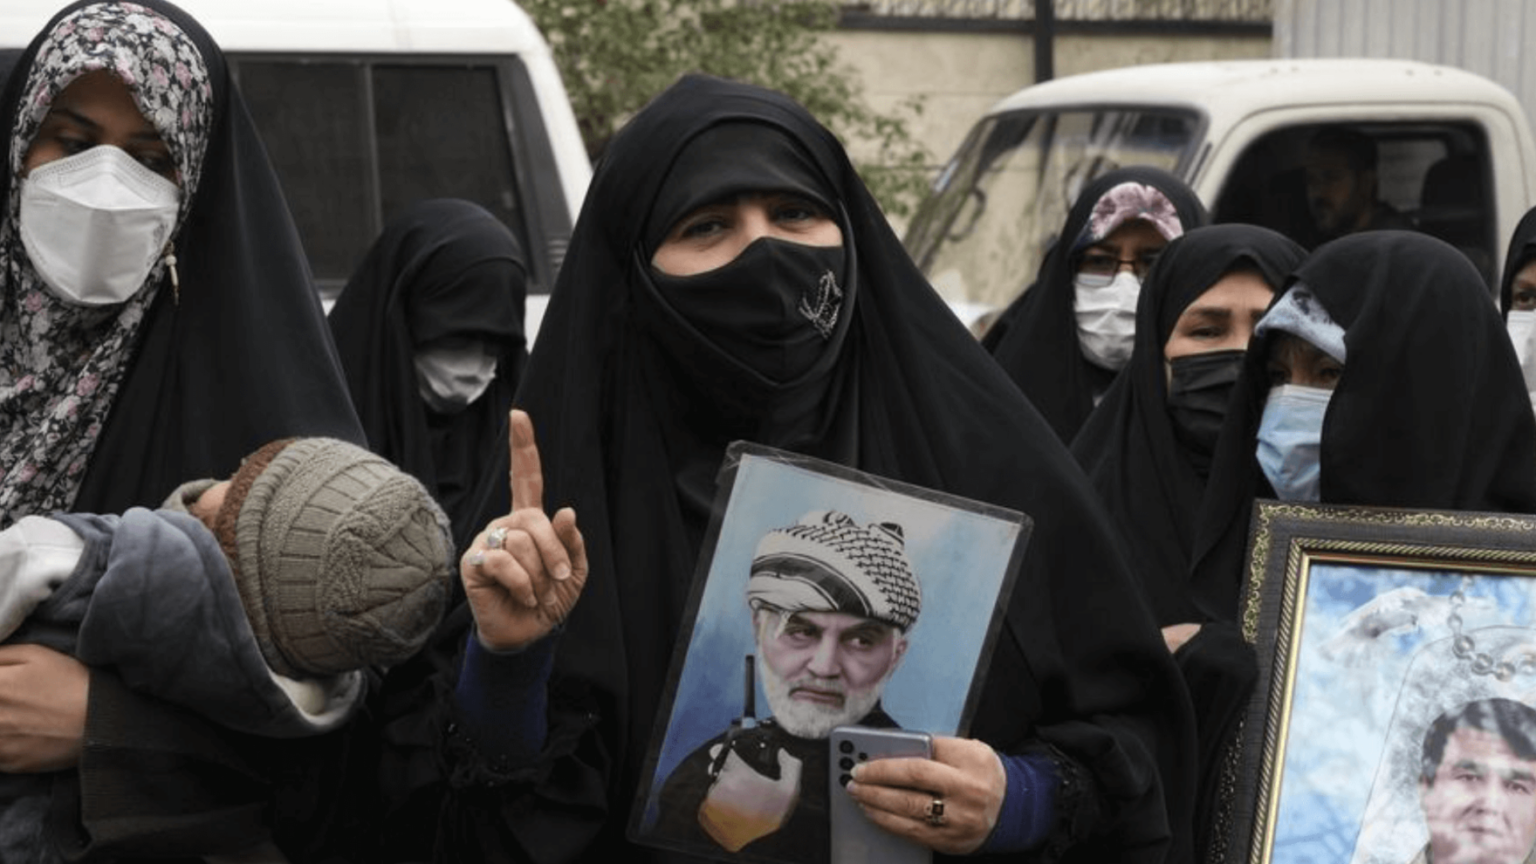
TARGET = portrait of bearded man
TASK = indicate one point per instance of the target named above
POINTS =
(832, 603)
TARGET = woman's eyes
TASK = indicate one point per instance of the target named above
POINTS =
(797, 211)
(702, 226)
(158, 162)
(73, 146)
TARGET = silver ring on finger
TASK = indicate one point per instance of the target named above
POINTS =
(935, 813)
(496, 538)
(476, 558)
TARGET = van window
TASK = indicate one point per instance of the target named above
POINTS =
(995, 208)
(1430, 177)
(356, 140)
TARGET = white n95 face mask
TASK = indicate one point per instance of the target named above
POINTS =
(449, 376)
(1290, 441)
(1522, 330)
(94, 224)
(1106, 317)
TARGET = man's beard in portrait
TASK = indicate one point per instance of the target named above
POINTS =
(806, 719)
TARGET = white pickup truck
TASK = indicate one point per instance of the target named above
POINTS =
(1455, 158)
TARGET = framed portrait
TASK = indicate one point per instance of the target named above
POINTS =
(824, 597)
(1394, 718)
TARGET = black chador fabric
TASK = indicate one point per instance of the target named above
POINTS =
(1522, 250)
(1130, 447)
(1430, 411)
(1147, 477)
(442, 268)
(241, 357)
(1035, 339)
(633, 407)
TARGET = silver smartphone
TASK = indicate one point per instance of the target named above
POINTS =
(855, 839)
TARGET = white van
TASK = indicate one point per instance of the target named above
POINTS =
(1454, 156)
(368, 105)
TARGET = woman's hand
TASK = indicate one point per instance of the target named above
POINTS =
(43, 696)
(899, 795)
(524, 573)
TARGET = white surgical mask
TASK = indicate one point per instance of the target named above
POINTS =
(1522, 330)
(1291, 440)
(1106, 317)
(451, 376)
(94, 224)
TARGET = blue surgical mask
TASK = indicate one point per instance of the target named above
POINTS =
(1291, 438)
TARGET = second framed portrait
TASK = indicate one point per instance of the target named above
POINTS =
(1395, 716)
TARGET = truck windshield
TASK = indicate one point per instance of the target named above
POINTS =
(994, 209)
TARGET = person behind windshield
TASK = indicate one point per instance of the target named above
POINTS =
(732, 278)
(1147, 449)
(1342, 187)
(1064, 340)
(143, 345)
(1517, 298)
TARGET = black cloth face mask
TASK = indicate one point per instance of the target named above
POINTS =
(773, 308)
(1198, 392)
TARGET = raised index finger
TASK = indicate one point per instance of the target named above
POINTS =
(527, 474)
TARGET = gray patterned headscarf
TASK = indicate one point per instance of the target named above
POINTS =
(60, 365)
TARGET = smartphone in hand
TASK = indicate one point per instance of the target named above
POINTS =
(855, 839)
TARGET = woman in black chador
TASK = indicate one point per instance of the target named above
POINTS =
(1071, 332)
(163, 345)
(430, 333)
(731, 278)
(1147, 449)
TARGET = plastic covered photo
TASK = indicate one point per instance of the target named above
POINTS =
(824, 597)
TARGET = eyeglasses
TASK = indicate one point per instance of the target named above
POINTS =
(1100, 264)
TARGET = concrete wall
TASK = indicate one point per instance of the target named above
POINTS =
(961, 74)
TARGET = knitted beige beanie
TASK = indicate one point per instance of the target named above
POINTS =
(342, 560)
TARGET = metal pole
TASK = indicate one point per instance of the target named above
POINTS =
(1045, 39)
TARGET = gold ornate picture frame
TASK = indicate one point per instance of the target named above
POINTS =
(1378, 634)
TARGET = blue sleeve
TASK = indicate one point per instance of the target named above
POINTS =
(1028, 813)
(502, 700)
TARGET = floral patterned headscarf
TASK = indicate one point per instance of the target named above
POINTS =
(60, 364)
(1126, 202)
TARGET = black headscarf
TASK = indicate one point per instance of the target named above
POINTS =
(632, 435)
(1430, 411)
(242, 356)
(1522, 250)
(1035, 339)
(1129, 447)
(442, 268)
